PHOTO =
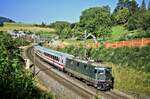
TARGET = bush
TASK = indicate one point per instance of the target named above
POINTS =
(15, 81)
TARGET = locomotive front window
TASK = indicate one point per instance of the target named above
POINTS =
(100, 71)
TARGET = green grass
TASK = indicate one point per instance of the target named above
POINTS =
(131, 80)
(30, 27)
(117, 32)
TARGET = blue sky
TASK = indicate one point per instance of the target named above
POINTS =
(36, 11)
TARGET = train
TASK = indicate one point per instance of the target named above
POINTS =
(92, 73)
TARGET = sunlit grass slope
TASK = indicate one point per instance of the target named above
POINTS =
(117, 32)
(22, 26)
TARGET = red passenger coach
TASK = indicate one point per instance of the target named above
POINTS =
(55, 58)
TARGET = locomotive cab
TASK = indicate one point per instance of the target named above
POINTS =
(104, 78)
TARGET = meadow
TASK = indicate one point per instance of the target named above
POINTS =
(29, 27)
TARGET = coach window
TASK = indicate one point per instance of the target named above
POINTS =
(71, 62)
(62, 60)
(78, 64)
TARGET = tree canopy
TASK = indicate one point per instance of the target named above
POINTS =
(96, 20)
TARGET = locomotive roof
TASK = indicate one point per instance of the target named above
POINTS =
(90, 62)
(54, 52)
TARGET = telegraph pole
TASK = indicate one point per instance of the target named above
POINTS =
(85, 43)
(86, 36)
(34, 58)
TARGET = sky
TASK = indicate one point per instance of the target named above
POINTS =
(48, 11)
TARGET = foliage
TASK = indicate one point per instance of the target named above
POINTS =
(133, 7)
(143, 6)
(133, 22)
(96, 20)
(134, 35)
(121, 16)
(61, 27)
(21, 42)
(120, 5)
(123, 10)
(139, 20)
(118, 32)
(1, 24)
(131, 80)
(15, 81)
(145, 21)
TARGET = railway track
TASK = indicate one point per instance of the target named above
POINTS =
(87, 92)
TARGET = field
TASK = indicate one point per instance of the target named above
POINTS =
(130, 80)
(117, 32)
(30, 27)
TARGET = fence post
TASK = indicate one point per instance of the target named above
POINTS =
(131, 42)
(142, 42)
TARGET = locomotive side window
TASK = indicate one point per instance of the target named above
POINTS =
(100, 71)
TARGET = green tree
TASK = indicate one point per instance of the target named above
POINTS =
(60, 26)
(96, 20)
(133, 7)
(121, 16)
(142, 7)
(43, 24)
(133, 22)
(149, 5)
(145, 21)
(1, 24)
(120, 5)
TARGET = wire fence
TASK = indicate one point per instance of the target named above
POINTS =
(135, 42)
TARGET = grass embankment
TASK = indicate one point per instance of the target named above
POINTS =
(29, 27)
(117, 32)
(131, 80)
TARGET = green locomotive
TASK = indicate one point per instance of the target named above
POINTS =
(92, 73)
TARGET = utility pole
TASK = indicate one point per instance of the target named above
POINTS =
(85, 37)
(85, 43)
(34, 58)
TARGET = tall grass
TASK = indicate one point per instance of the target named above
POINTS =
(117, 32)
(131, 80)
